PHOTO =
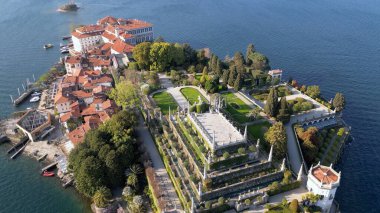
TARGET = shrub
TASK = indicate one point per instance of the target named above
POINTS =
(208, 205)
(241, 150)
(226, 155)
(247, 202)
(252, 148)
(207, 183)
(221, 200)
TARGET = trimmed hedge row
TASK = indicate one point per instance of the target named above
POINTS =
(229, 162)
(217, 209)
(284, 188)
(192, 142)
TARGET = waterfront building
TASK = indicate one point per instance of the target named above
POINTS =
(324, 181)
(87, 37)
(33, 123)
(111, 30)
(276, 74)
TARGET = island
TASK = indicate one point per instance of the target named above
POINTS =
(179, 129)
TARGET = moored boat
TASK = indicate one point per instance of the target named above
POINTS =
(48, 174)
(47, 46)
(34, 99)
(66, 37)
(36, 94)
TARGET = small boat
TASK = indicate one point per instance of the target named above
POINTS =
(47, 46)
(48, 174)
(64, 51)
(36, 94)
(34, 99)
(61, 45)
(66, 37)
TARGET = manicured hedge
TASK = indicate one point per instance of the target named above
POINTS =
(284, 188)
(217, 209)
(229, 162)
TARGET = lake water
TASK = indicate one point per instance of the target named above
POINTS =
(331, 43)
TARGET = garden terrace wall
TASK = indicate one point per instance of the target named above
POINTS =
(227, 175)
(241, 186)
(188, 153)
(232, 161)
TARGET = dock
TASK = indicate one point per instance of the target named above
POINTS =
(23, 96)
(19, 151)
(21, 142)
(42, 157)
(68, 183)
(49, 166)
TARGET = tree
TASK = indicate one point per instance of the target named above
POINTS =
(102, 197)
(259, 61)
(161, 56)
(226, 155)
(204, 76)
(225, 77)
(276, 136)
(250, 51)
(271, 105)
(313, 91)
(125, 94)
(237, 83)
(89, 177)
(141, 54)
(101, 159)
(339, 102)
(218, 68)
(132, 180)
(190, 55)
(287, 176)
(191, 69)
(239, 62)
(178, 54)
(254, 113)
(232, 74)
(283, 114)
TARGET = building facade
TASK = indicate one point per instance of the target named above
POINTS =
(323, 181)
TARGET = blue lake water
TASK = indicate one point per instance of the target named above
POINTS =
(331, 43)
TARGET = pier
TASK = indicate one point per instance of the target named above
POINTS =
(19, 151)
(49, 166)
(22, 97)
(22, 142)
(42, 157)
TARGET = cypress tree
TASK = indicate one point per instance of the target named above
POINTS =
(237, 83)
(250, 50)
(271, 106)
(339, 102)
(218, 69)
(225, 77)
(283, 113)
(239, 62)
(232, 74)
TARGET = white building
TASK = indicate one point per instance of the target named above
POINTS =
(324, 181)
(276, 74)
(87, 37)
(73, 64)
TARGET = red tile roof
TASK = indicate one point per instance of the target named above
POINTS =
(107, 20)
(73, 59)
(89, 29)
(109, 36)
(81, 94)
(60, 99)
(325, 174)
(121, 47)
(77, 135)
(132, 24)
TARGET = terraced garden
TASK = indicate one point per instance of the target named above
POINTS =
(164, 100)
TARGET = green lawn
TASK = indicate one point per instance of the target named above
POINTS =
(258, 130)
(192, 95)
(164, 100)
(198, 76)
(236, 107)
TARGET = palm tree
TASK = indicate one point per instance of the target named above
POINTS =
(132, 180)
(136, 169)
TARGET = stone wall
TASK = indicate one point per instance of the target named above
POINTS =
(237, 187)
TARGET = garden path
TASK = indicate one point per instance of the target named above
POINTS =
(145, 137)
